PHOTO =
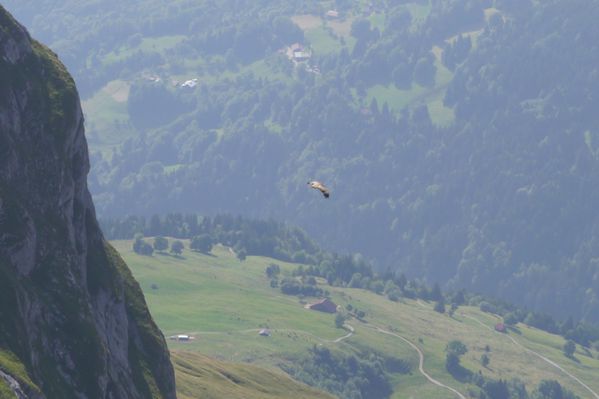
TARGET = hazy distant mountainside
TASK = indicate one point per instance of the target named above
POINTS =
(89, 35)
(459, 137)
(73, 321)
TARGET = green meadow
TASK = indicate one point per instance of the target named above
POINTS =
(208, 378)
(322, 42)
(223, 303)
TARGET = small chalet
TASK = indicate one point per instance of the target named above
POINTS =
(152, 78)
(182, 338)
(324, 305)
(190, 83)
(500, 327)
(265, 332)
(297, 52)
(332, 14)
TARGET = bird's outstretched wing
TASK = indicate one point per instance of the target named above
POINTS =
(320, 187)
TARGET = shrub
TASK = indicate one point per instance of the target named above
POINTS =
(201, 243)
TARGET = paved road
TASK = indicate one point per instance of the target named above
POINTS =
(421, 364)
(551, 362)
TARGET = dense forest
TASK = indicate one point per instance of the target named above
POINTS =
(458, 136)
(353, 377)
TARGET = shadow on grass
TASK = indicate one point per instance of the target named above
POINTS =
(169, 254)
(514, 329)
(206, 253)
(460, 373)
(587, 352)
(573, 358)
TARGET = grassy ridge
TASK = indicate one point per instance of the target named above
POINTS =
(223, 302)
(208, 378)
(10, 364)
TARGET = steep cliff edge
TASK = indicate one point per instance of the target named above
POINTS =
(73, 321)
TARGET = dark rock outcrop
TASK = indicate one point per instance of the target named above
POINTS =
(73, 321)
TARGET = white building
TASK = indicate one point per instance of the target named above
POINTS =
(190, 83)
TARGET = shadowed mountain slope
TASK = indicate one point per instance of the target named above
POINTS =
(73, 321)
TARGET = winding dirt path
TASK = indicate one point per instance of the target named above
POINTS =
(549, 361)
(351, 332)
(421, 362)
(346, 336)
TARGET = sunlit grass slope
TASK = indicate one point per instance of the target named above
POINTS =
(223, 303)
(199, 376)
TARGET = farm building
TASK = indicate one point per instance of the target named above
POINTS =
(500, 327)
(182, 338)
(297, 52)
(332, 14)
(190, 83)
(265, 332)
(324, 305)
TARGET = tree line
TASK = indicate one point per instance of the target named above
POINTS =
(254, 237)
(244, 235)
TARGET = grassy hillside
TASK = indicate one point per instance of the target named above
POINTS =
(208, 378)
(223, 303)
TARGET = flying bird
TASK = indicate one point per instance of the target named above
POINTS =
(320, 187)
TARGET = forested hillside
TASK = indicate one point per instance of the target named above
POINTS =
(458, 136)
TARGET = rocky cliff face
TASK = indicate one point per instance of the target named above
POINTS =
(73, 322)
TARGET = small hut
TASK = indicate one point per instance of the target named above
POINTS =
(265, 332)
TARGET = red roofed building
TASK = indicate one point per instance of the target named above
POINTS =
(500, 327)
